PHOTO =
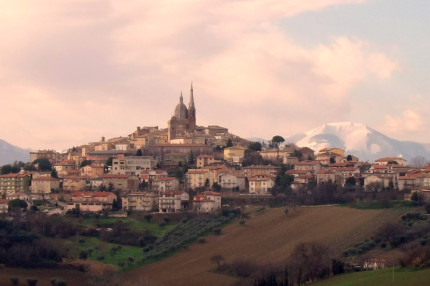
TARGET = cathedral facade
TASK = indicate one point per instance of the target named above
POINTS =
(183, 121)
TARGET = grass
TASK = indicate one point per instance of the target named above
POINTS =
(378, 204)
(270, 236)
(101, 248)
(404, 277)
(135, 225)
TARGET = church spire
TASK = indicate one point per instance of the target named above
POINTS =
(191, 105)
(181, 99)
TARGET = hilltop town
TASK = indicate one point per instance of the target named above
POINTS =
(189, 168)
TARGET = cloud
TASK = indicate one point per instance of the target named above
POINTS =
(99, 68)
(408, 122)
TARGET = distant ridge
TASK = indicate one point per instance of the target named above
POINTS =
(10, 153)
(359, 140)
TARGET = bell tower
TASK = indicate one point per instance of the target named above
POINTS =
(191, 112)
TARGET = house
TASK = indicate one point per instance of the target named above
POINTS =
(63, 167)
(198, 178)
(391, 160)
(152, 175)
(140, 201)
(132, 165)
(311, 166)
(325, 176)
(162, 184)
(207, 202)
(204, 160)
(277, 154)
(11, 183)
(229, 179)
(121, 182)
(92, 171)
(175, 159)
(256, 170)
(44, 185)
(74, 183)
(260, 185)
(173, 201)
(3, 206)
(234, 155)
(307, 153)
(91, 201)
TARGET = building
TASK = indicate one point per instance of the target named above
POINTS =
(258, 170)
(121, 182)
(391, 160)
(234, 154)
(92, 171)
(204, 160)
(229, 179)
(4, 206)
(207, 202)
(51, 155)
(173, 201)
(311, 166)
(260, 185)
(198, 178)
(132, 165)
(74, 183)
(183, 120)
(91, 201)
(163, 184)
(13, 183)
(140, 201)
(44, 185)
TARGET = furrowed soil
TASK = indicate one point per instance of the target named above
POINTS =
(267, 237)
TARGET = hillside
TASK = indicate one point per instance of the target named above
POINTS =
(10, 153)
(268, 237)
(382, 277)
(359, 140)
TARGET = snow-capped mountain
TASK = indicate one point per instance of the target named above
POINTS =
(10, 153)
(359, 140)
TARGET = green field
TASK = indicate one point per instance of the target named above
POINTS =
(384, 277)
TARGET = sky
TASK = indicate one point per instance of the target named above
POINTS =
(74, 71)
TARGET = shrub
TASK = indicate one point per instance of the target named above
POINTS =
(31, 282)
(14, 280)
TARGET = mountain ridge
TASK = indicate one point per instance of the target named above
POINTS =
(359, 140)
(10, 153)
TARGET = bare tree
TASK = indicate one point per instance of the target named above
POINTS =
(418, 161)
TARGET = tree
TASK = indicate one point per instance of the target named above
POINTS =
(332, 160)
(85, 163)
(109, 161)
(54, 173)
(229, 143)
(218, 259)
(191, 158)
(148, 217)
(392, 232)
(418, 161)
(43, 164)
(255, 146)
(16, 204)
(6, 169)
(350, 182)
(349, 158)
(139, 152)
(277, 140)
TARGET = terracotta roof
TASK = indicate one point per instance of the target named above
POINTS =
(92, 194)
(202, 171)
(258, 178)
(211, 193)
(166, 179)
(173, 193)
(387, 159)
(14, 175)
(205, 156)
(110, 176)
(45, 179)
(307, 163)
(201, 199)
(326, 171)
(3, 201)
(292, 172)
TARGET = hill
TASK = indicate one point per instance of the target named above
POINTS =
(382, 277)
(10, 153)
(359, 140)
(268, 237)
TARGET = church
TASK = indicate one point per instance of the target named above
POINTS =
(183, 121)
